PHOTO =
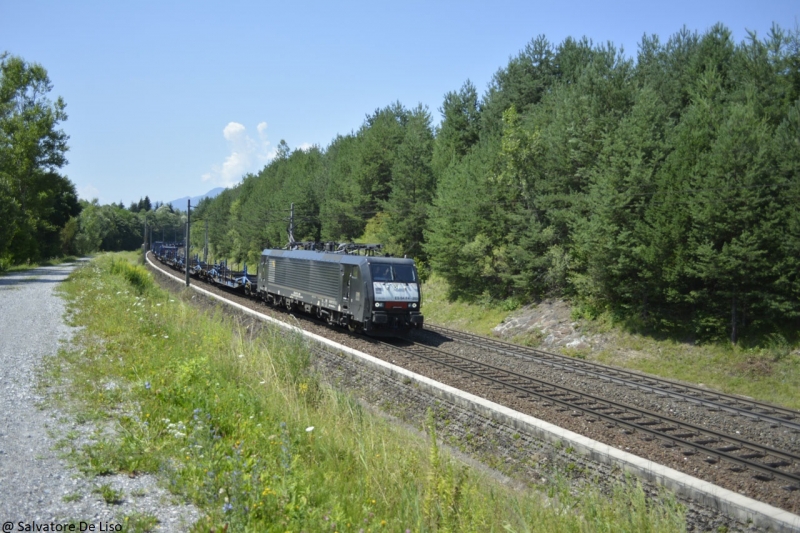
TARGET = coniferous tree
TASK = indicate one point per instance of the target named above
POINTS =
(460, 127)
(344, 208)
(379, 138)
(413, 186)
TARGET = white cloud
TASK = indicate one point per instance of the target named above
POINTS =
(306, 147)
(88, 192)
(234, 132)
(246, 155)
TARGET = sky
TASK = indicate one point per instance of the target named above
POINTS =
(170, 99)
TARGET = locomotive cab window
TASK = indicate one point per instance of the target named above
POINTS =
(386, 272)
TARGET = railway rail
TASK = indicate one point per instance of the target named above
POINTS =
(766, 463)
(775, 415)
(758, 470)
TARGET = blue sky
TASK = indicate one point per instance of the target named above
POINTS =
(171, 99)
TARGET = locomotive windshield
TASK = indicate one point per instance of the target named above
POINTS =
(387, 272)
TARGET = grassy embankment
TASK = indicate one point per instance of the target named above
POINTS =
(768, 372)
(244, 430)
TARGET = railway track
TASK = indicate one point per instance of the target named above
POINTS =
(709, 446)
(775, 416)
(765, 463)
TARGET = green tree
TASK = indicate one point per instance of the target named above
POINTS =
(413, 186)
(460, 127)
(379, 138)
(343, 207)
(32, 148)
(460, 234)
(522, 84)
(620, 254)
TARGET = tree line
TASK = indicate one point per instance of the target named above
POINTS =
(663, 189)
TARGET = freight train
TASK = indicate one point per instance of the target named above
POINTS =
(348, 285)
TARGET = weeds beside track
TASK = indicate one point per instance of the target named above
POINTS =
(236, 423)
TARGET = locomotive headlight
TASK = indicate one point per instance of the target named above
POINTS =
(413, 306)
(378, 304)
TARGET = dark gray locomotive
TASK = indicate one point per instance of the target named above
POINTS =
(373, 294)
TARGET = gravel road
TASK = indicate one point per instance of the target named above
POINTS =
(35, 484)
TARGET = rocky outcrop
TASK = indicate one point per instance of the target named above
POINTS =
(549, 325)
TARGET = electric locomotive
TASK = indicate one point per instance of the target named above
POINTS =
(373, 294)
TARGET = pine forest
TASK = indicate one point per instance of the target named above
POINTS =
(662, 188)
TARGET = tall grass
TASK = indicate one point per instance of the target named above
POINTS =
(237, 423)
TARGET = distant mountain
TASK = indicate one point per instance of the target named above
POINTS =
(180, 203)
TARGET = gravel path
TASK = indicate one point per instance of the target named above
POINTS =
(35, 484)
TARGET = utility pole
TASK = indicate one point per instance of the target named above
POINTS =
(144, 244)
(291, 227)
(186, 259)
(205, 248)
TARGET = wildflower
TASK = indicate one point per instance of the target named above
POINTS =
(227, 507)
(166, 336)
(309, 429)
(241, 355)
(147, 385)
